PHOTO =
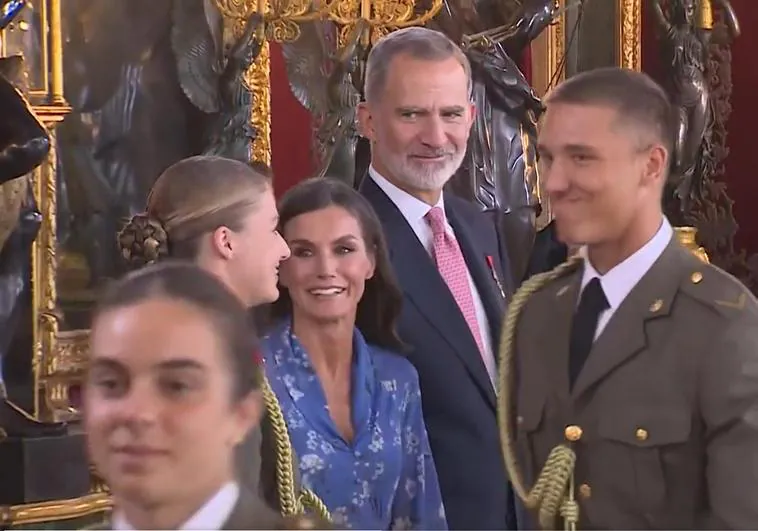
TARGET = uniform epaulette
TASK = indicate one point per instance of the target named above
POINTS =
(718, 290)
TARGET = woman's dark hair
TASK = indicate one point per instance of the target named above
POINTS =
(379, 308)
(187, 283)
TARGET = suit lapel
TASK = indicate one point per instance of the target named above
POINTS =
(476, 262)
(625, 334)
(425, 288)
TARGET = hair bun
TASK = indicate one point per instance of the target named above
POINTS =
(143, 240)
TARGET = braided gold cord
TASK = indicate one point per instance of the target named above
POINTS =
(291, 502)
(309, 500)
(552, 494)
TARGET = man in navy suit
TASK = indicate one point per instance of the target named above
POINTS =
(417, 116)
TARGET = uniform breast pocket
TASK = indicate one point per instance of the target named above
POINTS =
(528, 423)
(628, 458)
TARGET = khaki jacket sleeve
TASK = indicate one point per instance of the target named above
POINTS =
(729, 406)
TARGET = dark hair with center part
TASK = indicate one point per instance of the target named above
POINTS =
(187, 283)
(379, 308)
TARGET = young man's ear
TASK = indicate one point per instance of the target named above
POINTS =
(247, 413)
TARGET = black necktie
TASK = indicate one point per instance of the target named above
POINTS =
(591, 305)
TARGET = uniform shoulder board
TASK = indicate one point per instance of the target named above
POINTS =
(719, 290)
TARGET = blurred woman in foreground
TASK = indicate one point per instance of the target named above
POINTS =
(221, 215)
(171, 391)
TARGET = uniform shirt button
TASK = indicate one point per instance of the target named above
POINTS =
(585, 491)
(641, 434)
(573, 433)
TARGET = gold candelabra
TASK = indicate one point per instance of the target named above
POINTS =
(382, 16)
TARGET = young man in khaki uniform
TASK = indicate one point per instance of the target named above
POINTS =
(635, 359)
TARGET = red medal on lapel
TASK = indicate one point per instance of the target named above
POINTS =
(495, 277)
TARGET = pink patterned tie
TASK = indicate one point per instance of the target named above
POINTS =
(452, 267)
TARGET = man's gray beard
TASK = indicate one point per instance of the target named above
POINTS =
(424, 179)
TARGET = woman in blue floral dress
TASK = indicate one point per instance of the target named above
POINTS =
(352, 404)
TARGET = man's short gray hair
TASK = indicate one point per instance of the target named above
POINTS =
(416, 42)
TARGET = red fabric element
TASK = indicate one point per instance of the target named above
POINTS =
(291, 145)
(741, 178)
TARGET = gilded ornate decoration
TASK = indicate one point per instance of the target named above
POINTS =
(382, 16)
(51, 110)
(44, 298)
(687, 236)
(282, 19)
(281, 25)
(547, 55)
(258, 78)
(56, 54)
(53, 511)
(629, 34)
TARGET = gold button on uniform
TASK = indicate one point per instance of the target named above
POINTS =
(641, 434)
(656, 306)
(696, 277)
(573, 433)
(585, 491)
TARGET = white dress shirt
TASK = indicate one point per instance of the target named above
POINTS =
(619, 281)
(212, 515)
(413, 211)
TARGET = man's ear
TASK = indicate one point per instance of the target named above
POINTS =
(656, 166)
(471, 114)
(247, 414)
(365, 126)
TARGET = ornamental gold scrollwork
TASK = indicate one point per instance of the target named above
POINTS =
(258, 80)
(280, 16)
(383, 16)
(629, 31)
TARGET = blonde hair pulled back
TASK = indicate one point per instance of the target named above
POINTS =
(190, 199)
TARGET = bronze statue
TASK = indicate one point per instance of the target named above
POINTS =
(329, 84)
(24, 145)
(685, 41)
(151, 82)
(213, 79)
(130, 121)
(499, 171)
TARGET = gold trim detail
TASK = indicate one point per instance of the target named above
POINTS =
(629, 34)
(44, 298)
(35, 513)
(258, 78)
(56, 53)
(547, 51)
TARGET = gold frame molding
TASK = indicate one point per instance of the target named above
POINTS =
(548, 49)
(55, 511)
(629, 34)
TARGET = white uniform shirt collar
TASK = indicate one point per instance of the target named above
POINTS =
(212, 515)
(619, 281)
